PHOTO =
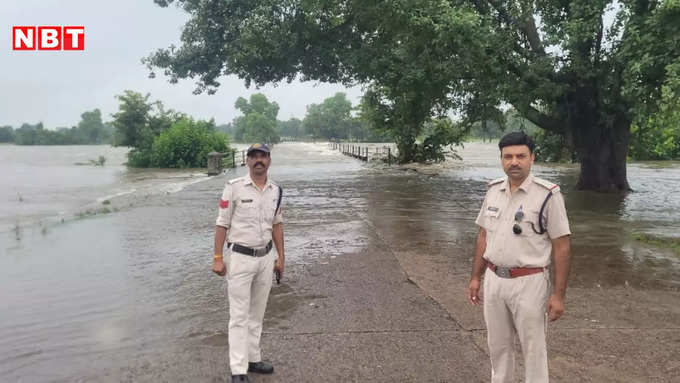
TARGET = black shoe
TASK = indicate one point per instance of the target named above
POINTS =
(262, 367)
(239, 379)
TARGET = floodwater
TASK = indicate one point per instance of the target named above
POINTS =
(127, 293)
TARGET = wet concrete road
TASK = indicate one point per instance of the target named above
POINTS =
(378, 263)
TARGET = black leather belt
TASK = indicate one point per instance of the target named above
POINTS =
(261, 252)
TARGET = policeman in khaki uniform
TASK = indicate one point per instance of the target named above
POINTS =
(521, 221)
(251, 222)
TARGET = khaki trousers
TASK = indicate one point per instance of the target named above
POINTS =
(249, 280)
(517, 307)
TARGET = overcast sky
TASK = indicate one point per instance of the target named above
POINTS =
(55, 87)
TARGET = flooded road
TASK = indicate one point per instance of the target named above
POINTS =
(129, 296)
(438, 204)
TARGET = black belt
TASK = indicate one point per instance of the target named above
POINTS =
(261, 252)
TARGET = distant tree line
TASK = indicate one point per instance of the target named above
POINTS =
(334, 119)
(89, 131)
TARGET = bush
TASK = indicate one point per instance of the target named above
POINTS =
(185, 144)
(654, 142)
(657, 137)
(438, 134)
(138, 158)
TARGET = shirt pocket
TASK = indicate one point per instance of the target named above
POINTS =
(534, 239)
(492, 219)
(529, 223)
(246, 210)
(271, 208)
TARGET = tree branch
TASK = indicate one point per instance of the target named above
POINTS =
(541, 119)
(598, 40)
(532, 35)
(526, 26)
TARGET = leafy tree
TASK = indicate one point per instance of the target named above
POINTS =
(576, 75)
(28, 134)
(438, 135)
(92, 129)
(131, 120)
(330, 119)
(404, 120)
(187, 144)
(227, 129)
(258, 123)
(573, 73)
(6, 133)
(658, 136)
(403, 49)
(292, 128)
(137, 124)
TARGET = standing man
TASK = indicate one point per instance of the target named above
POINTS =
(249, 219)
(521, 221)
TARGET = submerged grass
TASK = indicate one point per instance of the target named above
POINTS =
(658, 241)
(90, 212)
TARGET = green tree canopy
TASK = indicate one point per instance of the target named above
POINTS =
(258, 123)
(291, 128)
(28, 134)
(131, 120)
(138, 125)
(187, 144)
(581, 69)
(6, 133)
(91, 128)
(332, 119)
(657, 137)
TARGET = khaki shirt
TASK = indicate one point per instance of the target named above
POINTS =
(248, 212)
(497, 217)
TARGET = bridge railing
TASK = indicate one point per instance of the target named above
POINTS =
(364, 153)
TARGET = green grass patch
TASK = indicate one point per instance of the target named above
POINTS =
(658, 241)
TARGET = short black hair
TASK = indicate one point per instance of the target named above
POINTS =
(516, 138)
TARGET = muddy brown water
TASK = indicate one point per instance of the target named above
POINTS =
(111, 296)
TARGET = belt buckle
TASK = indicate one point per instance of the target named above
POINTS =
(258, 252)
(503, 272)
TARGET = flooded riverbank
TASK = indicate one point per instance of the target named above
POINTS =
(124, 294)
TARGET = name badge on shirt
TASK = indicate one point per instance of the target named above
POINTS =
(492, 211)
(246, 200)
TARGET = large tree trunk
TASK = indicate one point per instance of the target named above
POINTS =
(406, 147)
(603, 151)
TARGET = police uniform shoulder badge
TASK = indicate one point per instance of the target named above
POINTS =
(495, 182)
(547, 184)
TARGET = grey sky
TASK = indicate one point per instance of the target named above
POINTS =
(55, 87)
